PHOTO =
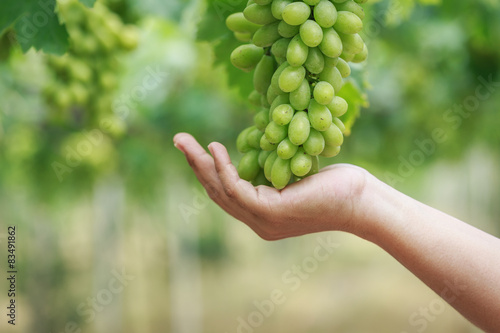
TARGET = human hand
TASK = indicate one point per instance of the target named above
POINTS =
(329, 200)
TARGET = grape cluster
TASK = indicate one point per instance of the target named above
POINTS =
(87, 75)
(299, 52)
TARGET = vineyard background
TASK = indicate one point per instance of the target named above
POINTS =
(130, 203)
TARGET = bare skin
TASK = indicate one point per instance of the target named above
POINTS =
(459, 262)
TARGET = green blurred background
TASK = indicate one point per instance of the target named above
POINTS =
(130, 204)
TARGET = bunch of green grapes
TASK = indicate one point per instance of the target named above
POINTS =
(299, 52)
(86, 77)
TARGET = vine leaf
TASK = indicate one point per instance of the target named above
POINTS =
(35, 24)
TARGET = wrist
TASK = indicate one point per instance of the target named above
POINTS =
(380, 206)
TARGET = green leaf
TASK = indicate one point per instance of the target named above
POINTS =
(51, 37)
(36, 25)
(88, 3)
(10, 11)
(356, 99)
(213, 29)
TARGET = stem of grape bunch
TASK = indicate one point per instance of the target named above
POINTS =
(299, 53)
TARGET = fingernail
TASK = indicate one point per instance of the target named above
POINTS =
(210, 148)
(176, 145)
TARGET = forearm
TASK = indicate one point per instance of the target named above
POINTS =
(456, 260)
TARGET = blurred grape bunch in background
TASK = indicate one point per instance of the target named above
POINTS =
(86, 77)
(130, 201)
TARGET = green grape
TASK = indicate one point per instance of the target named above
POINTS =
(333, 136)
(107, 80)
(278, 6)
(257, 14)
(315, 62)
(332, 75)
(347, 56)
(271, 96)
(323, 93)
(296, 13)
(249, 168)
(280, 47)
(261, 180)
(352, 7)
(331, 46)
(279, 60)
(253, 138)
(315, 143)
(288, 31)
(276, 77)
(263, 155)
(281, 173)
(319, 116)
(242, 140)
(311, 2)
(338, 106)
(362, 56)
(325, 14)
(266, 35)
(348, 23)
(283, 114)
(311, 33)
(266, 145)
(246, 57)
(299, 128)
(331, 62)
(297, 52)
(275, 133)
(291, 78)
(245, 37)
(79, 93)
(301, 163)
(238, 23)
(80, 71)
(263, 2)
(281, 99)
(286, 149)
(263, 101)
(268, 166)
(254, 98)
(344, 68)
(314, 167)
(353, 43)
(301, 97)
(330, 151)
(63, 99)
(261, 120)
(339, 124)
(263, 74)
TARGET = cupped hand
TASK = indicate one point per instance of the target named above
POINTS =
(329, 200)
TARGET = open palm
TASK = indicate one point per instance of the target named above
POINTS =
(325, 201)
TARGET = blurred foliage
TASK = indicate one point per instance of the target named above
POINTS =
(424, 60)
(425, 57)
